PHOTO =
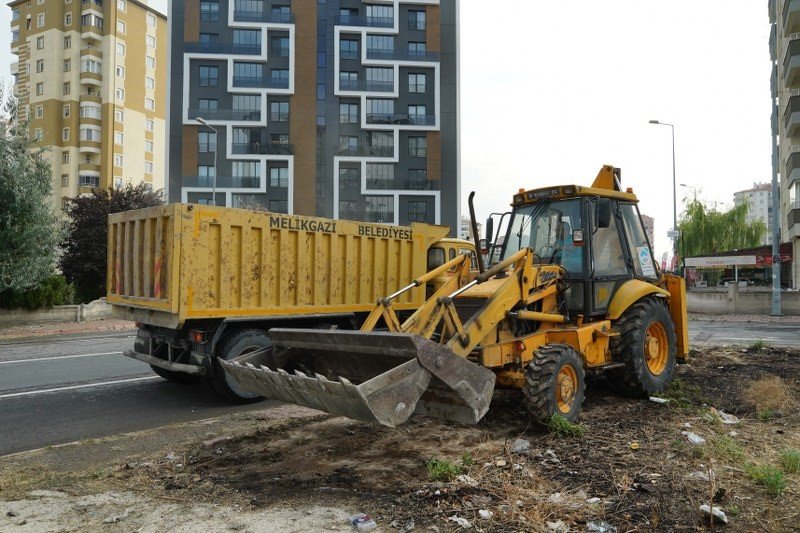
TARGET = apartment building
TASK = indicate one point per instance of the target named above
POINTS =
(649, 224)
(91, 80)
(335, 108)
(784, 48)
(759, 207)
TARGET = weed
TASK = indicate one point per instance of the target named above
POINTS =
(443, 470)
(758, 345)
(765, 414)
(790, 460)
(564, 428)
(732, 510)
(467, 460)
(771, 477)
(768, 395)
(681, 393)
(727, 449)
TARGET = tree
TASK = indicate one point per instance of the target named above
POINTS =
(29, 229)
(86, 246)
(706, 229)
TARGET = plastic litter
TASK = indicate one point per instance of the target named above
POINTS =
(484, 514)
(463, 522)
(716, 512)
(363, 522)
(600, 526)
(520, 446)
(656, 399)
(592, 501)
(694, 438)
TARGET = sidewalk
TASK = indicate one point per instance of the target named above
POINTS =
(762, 319)
(43, 330)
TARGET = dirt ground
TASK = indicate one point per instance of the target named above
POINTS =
(292, 469)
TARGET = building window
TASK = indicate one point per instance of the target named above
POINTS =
(348, 49)
(379, 209)
(117, 182)
(151, 20)
(279, 78)
(68, 19)
(148, 167)
(38, 134)
(40, 42)
(120, 49)
(122, 5)
(14, 14)
(89, 134)
(65, 180)
(40, 20)
(120, 71)
(348, 209)
(65, 134)
(418, 114)
(118, 160)
(39, 111)
(380, 111)
(121, 27)
(208, 40)
(205, 105)
(92, 20)
(381, 46)
(381, 16)
(89, 181)
(14, 36)
(150, 61)
(279, 46)
(67, 65)
(67, 88)
(88, 65)
(279, 111)
(148, 146)
(65, 157)
(417, 179)
(416, 20)
(416, 49)
(247, 40)
(151, 41)
(149, 82)
(348, 178)
(321, 90)
(348, 113)
(380, 176)
(119, 115)
(418, 147)
(348, 81)
(120, 93)
(209, 11)
(118, 138)
(209, 76)
(380, 79)
(68, 41)
(39, 88)
(206, 141)
(149, 104)
(66, 110)
(246, 174)
(348, 144)
(205, 175)
(417, 211)
(148, 124)
(417, 83)
(381, 143)
(40, 65)
(279, 177)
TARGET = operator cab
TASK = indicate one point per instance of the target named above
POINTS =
(596, 235)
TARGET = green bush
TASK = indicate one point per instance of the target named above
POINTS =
(52, 291)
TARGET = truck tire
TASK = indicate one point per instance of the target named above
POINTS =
(176, 377)
(646, 347)
(236, 344)
(554, 383)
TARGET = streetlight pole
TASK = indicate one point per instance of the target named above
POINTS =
(214, 181)
(674, 192)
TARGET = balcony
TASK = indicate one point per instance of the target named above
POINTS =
(792, 172)
(90, 120)
(88, 168)
(88, 181)
(791, 17)
(408, 184)
(366, 86)
(363, 150)
(226, 114)
(401, 55)
(773, 43)
(407, 120)
(223, 48)
(239, 182)
(89, 147)
(90, 3)
(260, 82)
(365, 22)
(88, 51)
(240, 15)
(793, 216)
(256, 148)
(791, 116)
(86, 97)
(91, 78)
(771, 8)
(791, 64)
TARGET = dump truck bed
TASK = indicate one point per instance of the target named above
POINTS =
(172, 263)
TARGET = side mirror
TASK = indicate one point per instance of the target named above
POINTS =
(603, 213)
(489, 229)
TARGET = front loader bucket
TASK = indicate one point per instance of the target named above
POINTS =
(372, 376)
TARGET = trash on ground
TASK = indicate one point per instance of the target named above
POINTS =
(634, 445)
(694, 438)
(520, 446)
(592, 501)
(484, 514)
(466, 480)
(716, 512)
(559, 526)
(699, 476)
(117, 518)
(600, 526)
(656, 399)
(362, 522)
(463, 522)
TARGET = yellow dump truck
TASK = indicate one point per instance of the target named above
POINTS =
(206, 282)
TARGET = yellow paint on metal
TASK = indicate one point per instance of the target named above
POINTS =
(656, 348)
(677, 310)
(629, 293)
(566, 386)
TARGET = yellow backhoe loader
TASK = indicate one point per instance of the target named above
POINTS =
(575, 289)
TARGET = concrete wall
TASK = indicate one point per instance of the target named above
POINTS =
(735, 300)
(96, 310)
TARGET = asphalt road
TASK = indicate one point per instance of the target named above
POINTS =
(63, 389)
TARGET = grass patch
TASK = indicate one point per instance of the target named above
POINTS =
(758, 345)
(790, 461)
(682, 394)
(727, 449)
(562, 427)
(765, 414)
(467, 460)
(443, 470)
(771, 477)
(768, 395)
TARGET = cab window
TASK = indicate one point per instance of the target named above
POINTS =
(643, 263)
(435, 258)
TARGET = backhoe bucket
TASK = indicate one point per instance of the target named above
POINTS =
(372, 376)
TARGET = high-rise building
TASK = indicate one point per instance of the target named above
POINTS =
(784, 48)
(759, 207)
(649, 227)
(90, 81)
(337, 108)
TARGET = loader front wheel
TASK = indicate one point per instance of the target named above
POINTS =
(239, 343)
(646, 348)
(554, 383)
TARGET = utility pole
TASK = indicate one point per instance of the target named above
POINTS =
(776, 218)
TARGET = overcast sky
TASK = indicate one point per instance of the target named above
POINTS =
(553, 90)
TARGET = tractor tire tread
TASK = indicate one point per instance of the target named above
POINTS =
(217, 376)
(539, 377)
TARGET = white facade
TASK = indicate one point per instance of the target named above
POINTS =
(759, 201)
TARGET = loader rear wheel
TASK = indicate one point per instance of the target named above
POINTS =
(239, 343)
(176, 377)
(646, 347)
(554, 383)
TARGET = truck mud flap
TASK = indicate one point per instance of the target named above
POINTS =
(371, 376)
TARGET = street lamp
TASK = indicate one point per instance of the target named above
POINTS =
(214, 181)
(674, 186)
(694, 189)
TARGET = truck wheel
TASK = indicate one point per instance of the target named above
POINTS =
(176, 377)
(554, 383)
(646, 347)
(239, 343)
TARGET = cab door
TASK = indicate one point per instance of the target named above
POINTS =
(609, 258)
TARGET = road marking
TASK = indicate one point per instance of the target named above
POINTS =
(58, 357)
(73, 387)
